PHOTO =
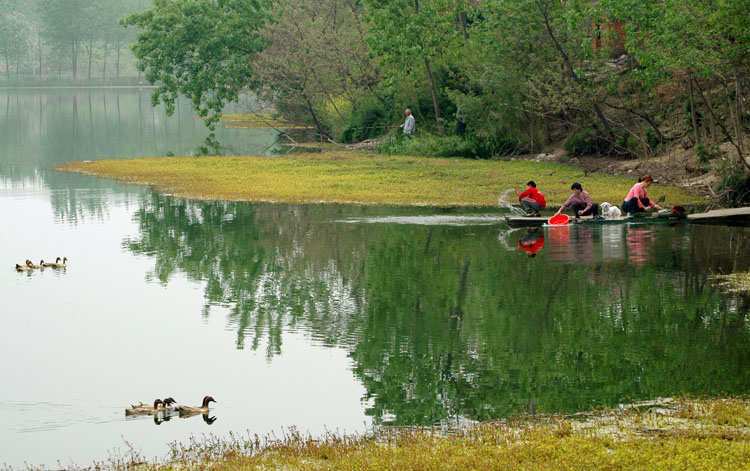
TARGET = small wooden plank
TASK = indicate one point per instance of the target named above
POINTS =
(733, 216)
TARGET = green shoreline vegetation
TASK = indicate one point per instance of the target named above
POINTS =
(257, 121)
(665, 434)
(362, 178)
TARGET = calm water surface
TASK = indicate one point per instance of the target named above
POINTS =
(319, 317)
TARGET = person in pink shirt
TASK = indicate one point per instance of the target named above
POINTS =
(581, 203)
(637, 200)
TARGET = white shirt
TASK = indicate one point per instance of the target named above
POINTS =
(409, 124)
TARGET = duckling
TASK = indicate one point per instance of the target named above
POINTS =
(145, 409)
(190, 410)
(56, 263)
(168, 403)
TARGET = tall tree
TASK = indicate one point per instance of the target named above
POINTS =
(202, 49)
(316, 62)
(13, 40)
(65, 24)
(411, 35)
(705, 41)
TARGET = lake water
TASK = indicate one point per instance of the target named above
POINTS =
(319, 317)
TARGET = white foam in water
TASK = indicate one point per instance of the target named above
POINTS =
(502, 202)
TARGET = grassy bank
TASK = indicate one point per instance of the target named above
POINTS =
(354, 177)
(684, 434)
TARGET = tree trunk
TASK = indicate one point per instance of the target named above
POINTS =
(462, 20)
(75, 60)
(692, 112)
(91, 53)
(739, 98)
(106, 46)
(724, 129)
(7, 67)
(314, 117)
(40, 56)
(118, 60)
(569, 66)
(434, 97)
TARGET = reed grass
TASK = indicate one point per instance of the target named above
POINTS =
(682, 434)
(363, 178)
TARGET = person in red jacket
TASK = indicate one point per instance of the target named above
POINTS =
(532, 200)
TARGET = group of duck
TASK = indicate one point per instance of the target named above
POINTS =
(29, 265)
(167, 407)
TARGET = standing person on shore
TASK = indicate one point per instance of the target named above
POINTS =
(409, 125)
(580, 201)
(532, 199)
(637, 200)
(460, 119)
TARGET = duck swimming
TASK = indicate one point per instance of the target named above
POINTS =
(24, 267)
(41, 264)
(145, 409)
(56, 263)
(191, 410)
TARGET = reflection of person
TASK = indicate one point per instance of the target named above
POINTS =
(532, 199)
(532, 242)
(637, 200)
(409, 125)
(580, 201)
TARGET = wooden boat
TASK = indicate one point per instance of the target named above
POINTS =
(731, 216)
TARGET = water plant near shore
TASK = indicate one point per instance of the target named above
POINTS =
(667, 434)
(362, 178)
(256, 121)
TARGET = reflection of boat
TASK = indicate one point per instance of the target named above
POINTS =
(732, 216)
(520, 221)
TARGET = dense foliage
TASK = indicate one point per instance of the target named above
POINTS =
(610, 77)
(201, 49)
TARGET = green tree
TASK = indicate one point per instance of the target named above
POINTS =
(410, 35)
(65, 24)
(202, 49)
(702, 44)
(13, 40)
(316, 61)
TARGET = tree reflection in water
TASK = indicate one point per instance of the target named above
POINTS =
(443, 321)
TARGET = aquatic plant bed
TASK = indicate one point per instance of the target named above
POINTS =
(256, 121)
(664, 434)
(363, 178)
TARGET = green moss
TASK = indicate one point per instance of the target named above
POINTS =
(357, 177)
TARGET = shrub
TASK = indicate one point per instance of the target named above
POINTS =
(735, 188)
(370, 119)
(583, 142)
(447, 146)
